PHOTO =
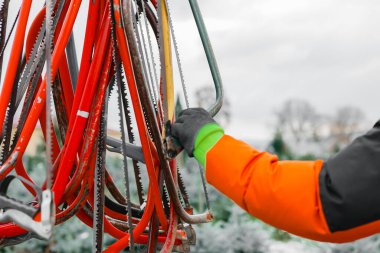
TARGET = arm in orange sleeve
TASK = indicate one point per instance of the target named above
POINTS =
(286, 194)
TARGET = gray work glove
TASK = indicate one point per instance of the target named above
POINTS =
(185, 129)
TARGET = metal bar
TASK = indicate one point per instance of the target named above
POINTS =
(72, 60)
(214, 109)
(133, 151)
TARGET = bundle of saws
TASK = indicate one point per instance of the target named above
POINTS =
(126, 62)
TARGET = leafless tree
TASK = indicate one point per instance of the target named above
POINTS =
(206, 97)
(298, 120)
(346, 123)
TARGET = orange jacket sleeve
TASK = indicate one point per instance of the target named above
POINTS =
(284, 194)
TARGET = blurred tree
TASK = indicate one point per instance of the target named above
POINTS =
(345, 124)
(278, 146)
(298, 120)
(307, 157)
(178, 106)
(205, 97)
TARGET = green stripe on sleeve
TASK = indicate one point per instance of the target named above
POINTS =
(206, 138)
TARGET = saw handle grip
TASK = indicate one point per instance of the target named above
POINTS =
(7, 203)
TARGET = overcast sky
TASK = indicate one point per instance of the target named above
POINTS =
(325, 51)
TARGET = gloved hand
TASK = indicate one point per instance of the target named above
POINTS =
(187, 126)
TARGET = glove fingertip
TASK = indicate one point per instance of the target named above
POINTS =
(176, 129)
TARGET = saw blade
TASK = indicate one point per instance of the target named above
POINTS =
(182, 188)
(147, 72)
(38, 53)
(48, 215)
(8, 121)
(49, 84)
(72, 60)
(155, 80)
(10, 33)
(100, 181)
(3, 27)
(166, 200)
(176, 50)
(4, 19)
(117, 65)
(27, 103)
(59, 104)
(36, 58)
(131, 137)
(201, 171)
(31, 74)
